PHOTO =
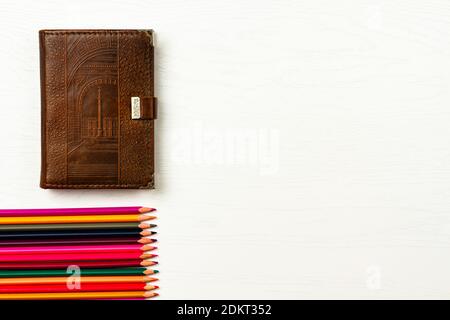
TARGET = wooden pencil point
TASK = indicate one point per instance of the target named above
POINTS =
(145, 210)
(149, 279)
(145, 218)
(148, 248)
(150, 271)
(147, 225)
(146, 233)
(150, 294)
(148, 263)
(150, 287)
(145, 241)
(148, 256)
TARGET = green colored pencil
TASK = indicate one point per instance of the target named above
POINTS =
(84, 272)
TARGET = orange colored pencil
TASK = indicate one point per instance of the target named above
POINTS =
(76, 219)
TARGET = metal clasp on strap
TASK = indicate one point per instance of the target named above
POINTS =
(143, 108)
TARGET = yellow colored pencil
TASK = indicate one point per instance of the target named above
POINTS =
(77, 295)
(75, 219)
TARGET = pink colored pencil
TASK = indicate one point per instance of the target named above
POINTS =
(121, 299)
(72, 249)
(73, 211)
(71, 256)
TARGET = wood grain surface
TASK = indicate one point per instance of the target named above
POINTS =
(302, 147)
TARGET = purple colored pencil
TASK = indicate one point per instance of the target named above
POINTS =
(73, 211)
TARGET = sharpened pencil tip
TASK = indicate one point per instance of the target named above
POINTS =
(148, 248)
(150, 287)
(149, 271)
(148, 263)
(145, 218)
(150, 294)
(149, 279)
(146, 233)
(145, 210)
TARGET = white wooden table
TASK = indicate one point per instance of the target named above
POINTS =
(303, 147)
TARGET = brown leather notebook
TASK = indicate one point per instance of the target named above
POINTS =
(98, 109)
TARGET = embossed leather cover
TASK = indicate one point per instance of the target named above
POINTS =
(89, 139)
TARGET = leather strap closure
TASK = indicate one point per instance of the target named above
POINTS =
(143, 108)
(149, 108)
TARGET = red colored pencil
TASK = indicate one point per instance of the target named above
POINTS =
(73, 211)
(113, 248)
(71, 256)
(69, 241)
(82, 264)
(84, 287)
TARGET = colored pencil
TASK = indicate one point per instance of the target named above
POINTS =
(146, 255)
(40, 250)
(86, 287)
(48, 234)
(147, 233)
(146, 225)
(114, 248)
(75, 219)
(71, 256)
(84, 272)
(74, 211)
(78, 295)
(127, 299)
(69, 241)
(148, 263)
(72, 226)
(82, 280)
(32, 265)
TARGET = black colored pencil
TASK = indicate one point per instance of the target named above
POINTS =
(71, 234)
